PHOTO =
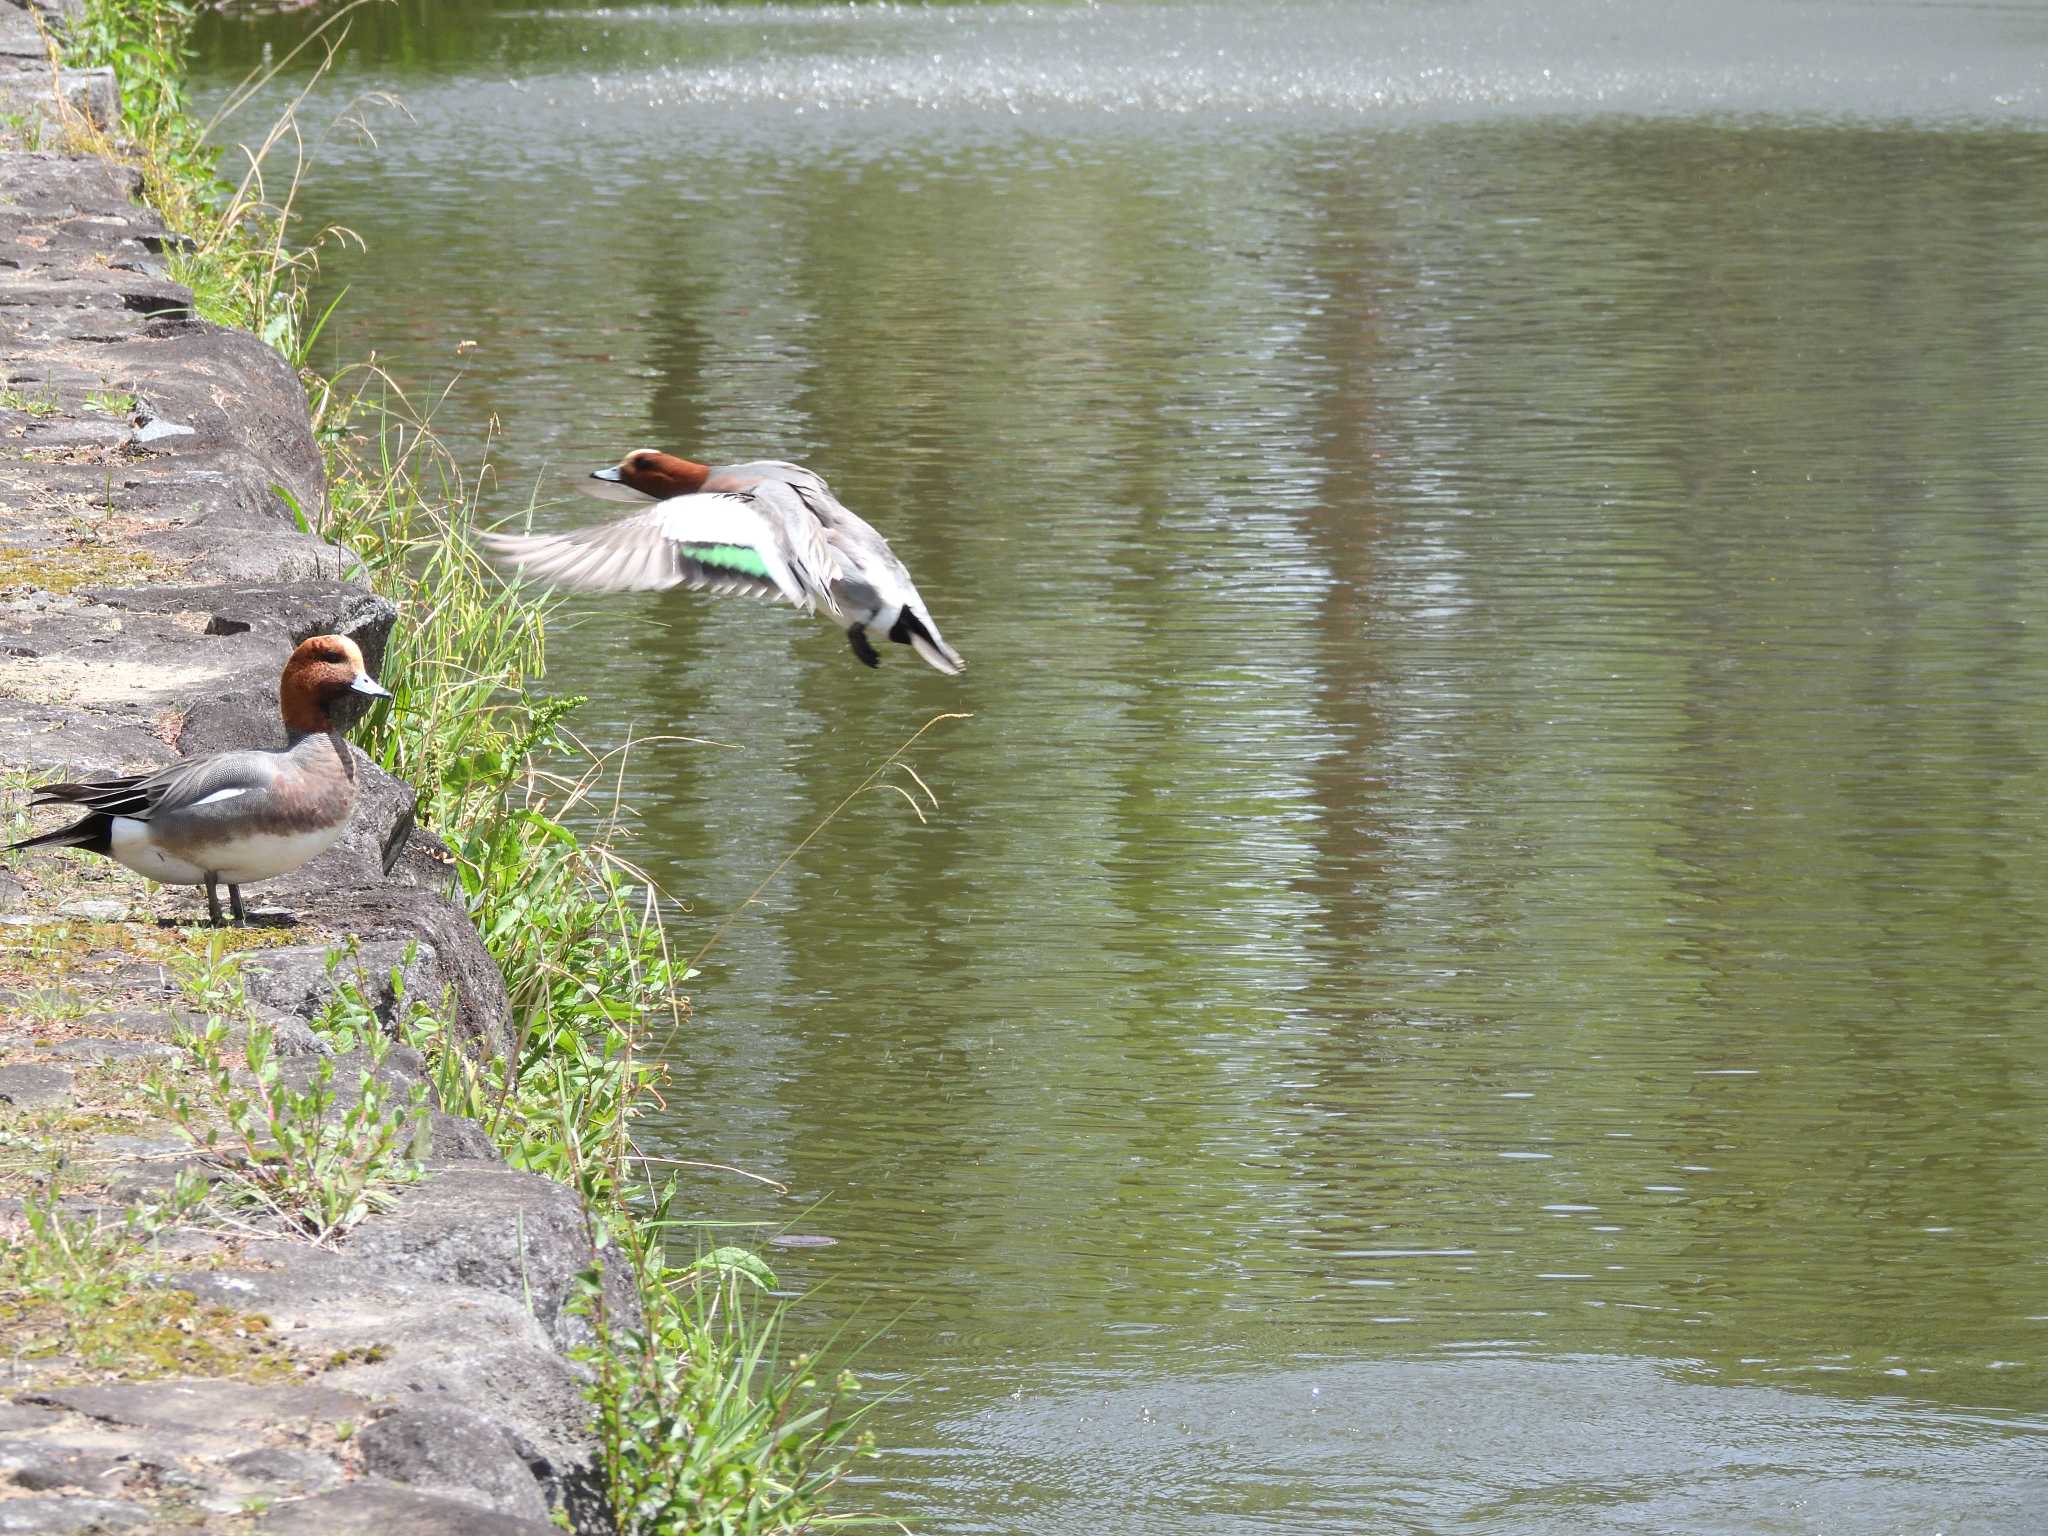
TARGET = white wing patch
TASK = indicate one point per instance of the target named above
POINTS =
(713, 518)
(218, 794)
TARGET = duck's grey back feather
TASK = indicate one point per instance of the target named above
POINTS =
(803, 543)
(870, 579)
(873, 585)
(181, 786)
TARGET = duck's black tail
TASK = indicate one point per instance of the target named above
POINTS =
(95, 834)
(922, 636)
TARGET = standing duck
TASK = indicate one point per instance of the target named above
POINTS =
(233, 818)
(761, 530)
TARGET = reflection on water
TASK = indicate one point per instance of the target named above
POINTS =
(1484, 1444)
(1504, 808)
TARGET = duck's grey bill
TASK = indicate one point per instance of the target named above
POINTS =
(365, 683)
(606, 474)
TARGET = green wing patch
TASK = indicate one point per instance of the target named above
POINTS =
(742, 558)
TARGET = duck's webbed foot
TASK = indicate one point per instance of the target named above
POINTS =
(858, 634)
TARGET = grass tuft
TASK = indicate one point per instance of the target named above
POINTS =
(41, 402)
(704, 1430)
(77, 1296)
(317, 1160)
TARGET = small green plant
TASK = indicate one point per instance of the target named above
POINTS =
(41, 403)
(145, 42)
(702, 1430)
(211, 979)
(110, 403)
(22, 130)
(559, 1112)
(78, 1286)
(317, 1164)
(87, 1262)
(47, 1005)
(346, 1021)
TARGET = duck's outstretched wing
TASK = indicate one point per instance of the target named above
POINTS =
(713, 541)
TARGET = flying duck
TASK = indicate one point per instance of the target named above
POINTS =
(767, 529)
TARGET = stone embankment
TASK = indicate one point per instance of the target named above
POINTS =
(413, 1375)
(29, 86)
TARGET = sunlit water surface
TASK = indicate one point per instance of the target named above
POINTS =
(1479, 963)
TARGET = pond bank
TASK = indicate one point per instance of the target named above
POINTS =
(153, 583)
(414, 1295)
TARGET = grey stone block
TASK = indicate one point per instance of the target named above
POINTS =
(16, 1417)
(380, 1509)
(98, 1052)
(202, 1405)
(274, 1467)
(448, 1449)
(58, 14)
(297, 979)
(95, 909)
(61, 1516)
(500, 1229)
(25, 88)
(434, 1343)
(44, 1466)
(34, 1085)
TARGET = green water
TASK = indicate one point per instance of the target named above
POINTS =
(1479, 964)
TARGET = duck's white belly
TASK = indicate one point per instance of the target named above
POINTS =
(130, 844)
(268, 854)
(239, 860)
